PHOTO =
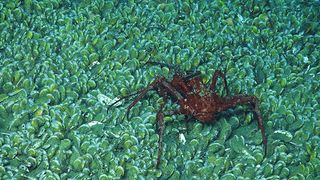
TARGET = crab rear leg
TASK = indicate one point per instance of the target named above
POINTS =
(217, 74)
(241, 99)
(161, 126)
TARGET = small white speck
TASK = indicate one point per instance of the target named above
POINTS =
(93, 64)
(182, 138)
(92, 123)
(106, 100)
(240, 18)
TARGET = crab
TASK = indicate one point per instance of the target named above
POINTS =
(195, 100)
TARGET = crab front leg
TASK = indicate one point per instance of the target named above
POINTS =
(165, 89)
(242, 99)
(143, 92)
(159, 82)
(122, 98)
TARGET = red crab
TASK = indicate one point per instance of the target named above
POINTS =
(195, 100)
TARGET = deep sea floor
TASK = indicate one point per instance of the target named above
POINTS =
(62, 63)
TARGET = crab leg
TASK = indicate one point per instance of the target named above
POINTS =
(161, 126)
(191, 75)
(237, 100)
(160, 81)
(144, 91)
(216, 74)
(124, 97)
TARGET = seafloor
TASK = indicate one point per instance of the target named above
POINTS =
(63, 62)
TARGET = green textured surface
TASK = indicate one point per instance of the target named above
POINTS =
(61, 63)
